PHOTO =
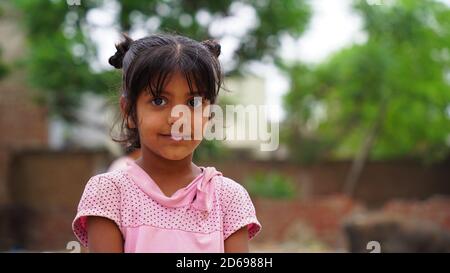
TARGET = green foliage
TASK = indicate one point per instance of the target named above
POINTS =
(210, 149)
(270, 185)
(401, 74)
(57, 63)
(3, 67)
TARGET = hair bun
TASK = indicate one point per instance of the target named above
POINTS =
(213, 46)
(117, 59)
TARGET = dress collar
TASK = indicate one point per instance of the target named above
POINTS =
(199, 193)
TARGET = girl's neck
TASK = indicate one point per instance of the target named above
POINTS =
(157, 166)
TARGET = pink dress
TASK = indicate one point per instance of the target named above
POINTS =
(197, 218)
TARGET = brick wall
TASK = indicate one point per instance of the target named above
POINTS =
(23, 124)
(46, 187)
(379, 182)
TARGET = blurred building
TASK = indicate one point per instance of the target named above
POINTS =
(249, 91)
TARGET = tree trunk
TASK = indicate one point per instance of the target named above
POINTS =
(361, 158)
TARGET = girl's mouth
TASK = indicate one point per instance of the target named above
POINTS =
(175, 137)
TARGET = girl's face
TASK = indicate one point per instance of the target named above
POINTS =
(155, 121)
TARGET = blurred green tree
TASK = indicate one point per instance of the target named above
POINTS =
(3, 66)
(388, 97)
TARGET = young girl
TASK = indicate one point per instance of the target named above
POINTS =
(163, 202)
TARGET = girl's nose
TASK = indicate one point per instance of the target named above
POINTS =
(171, 120)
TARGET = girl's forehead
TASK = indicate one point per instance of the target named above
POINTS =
(173, 84)
(177, 79)
(176, 92)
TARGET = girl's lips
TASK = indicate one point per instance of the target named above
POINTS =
(174, 137)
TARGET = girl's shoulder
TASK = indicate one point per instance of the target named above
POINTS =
(229, 190)
(237, 208)
(228, 185)
(114, 178)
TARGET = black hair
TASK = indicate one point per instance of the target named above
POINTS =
(148, 63)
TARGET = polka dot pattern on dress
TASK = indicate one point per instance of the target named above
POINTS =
(238, 209)
(116, 196)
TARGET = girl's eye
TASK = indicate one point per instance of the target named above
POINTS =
(195, 102)
(159, 102)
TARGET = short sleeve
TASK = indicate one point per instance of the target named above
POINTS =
(101, 197)
(239, 212)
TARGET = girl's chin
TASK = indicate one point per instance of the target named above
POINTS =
(174, 158)
(174, 155)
